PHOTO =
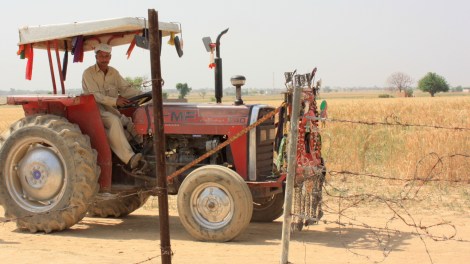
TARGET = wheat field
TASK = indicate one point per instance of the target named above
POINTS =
(401, 150)
(8, 115)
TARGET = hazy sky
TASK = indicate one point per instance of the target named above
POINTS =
(353, 43)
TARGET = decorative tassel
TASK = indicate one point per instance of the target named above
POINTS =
(20, 52)
(29, 54)
(66, 60)
(78, 49)
(211, 60)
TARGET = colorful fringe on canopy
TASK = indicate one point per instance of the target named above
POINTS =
(26, 52)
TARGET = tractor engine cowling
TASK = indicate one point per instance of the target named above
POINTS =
(193, 129)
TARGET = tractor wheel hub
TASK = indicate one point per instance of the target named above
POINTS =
(41, 174)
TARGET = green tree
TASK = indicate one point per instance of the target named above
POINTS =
(433, 83)
(136, 82)
(183, 89)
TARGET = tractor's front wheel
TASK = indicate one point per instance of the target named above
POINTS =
(214, 204)
(48, 173)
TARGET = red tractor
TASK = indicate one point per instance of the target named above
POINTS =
(57, 166)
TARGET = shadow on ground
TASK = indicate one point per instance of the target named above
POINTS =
(146, 227)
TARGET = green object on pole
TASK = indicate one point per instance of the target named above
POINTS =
(323, 105)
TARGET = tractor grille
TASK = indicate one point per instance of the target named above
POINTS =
(265, 135)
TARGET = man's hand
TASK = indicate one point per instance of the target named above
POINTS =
(121, 101)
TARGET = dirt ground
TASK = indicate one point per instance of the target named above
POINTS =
(135, 239)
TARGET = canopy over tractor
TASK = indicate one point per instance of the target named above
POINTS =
(115, 32)
(79, 37)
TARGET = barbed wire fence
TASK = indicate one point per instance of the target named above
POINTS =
(339, 198)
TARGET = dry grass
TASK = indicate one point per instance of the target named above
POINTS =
(402, 152)
(397, 150)
(8, 115)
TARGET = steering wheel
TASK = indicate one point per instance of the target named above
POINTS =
(138, 100)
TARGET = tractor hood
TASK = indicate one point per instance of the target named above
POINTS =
(182, 118)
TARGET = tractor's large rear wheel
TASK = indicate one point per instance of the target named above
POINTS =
(268, 209)
(112, 205)
(48, 173)
(214, 204)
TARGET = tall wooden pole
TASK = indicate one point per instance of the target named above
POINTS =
(291, 166)
(159, 142)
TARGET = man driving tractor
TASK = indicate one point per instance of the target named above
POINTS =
(111, 90)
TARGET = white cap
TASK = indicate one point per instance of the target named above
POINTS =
(103, 47)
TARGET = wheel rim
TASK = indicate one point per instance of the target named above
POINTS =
(212, 205)
(35, 174)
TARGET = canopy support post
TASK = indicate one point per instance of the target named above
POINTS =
(59, 67)
(51, 66)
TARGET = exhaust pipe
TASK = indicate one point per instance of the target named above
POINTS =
(216, 63)
(218, 69)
